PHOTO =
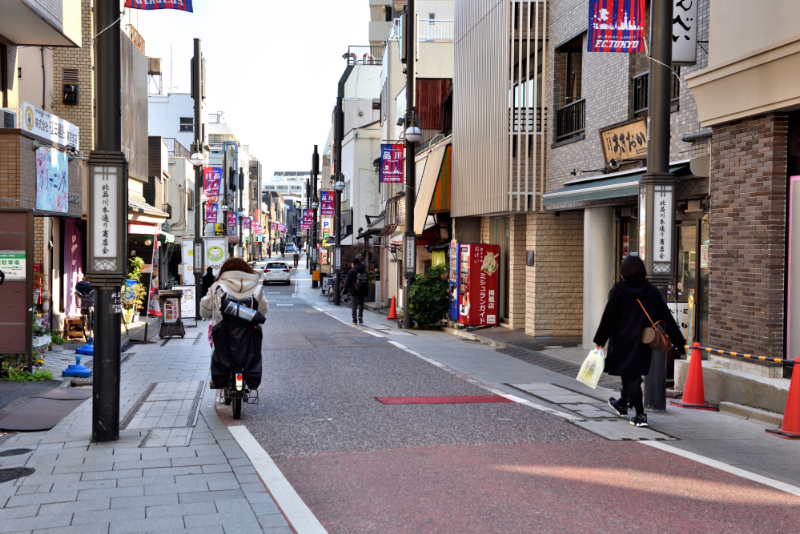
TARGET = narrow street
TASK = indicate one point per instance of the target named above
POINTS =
(362, 466)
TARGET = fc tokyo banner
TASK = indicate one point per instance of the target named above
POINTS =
(308, 217)
(326, 203)
(231, 219)
(211, 212)
(616, 26)
(211, 180)
(179, 5)
(246, 223)
(391, 164)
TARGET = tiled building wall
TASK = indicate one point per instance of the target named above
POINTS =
(554, 294)
(82, 114)
(748, 235)
(517, 283)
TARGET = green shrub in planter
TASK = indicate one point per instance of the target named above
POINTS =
(428, 296)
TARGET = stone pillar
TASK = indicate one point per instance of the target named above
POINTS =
(598, 267)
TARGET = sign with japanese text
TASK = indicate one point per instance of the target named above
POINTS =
(212, 176)
(43, 124)
(627, 141)
(211, 212)
(12, 263)
(478, 284)
(246, 223)
(616, 26)
(105, 192)
(326, 227)
(664, 215)
(308, 217)
(684, 32)
(178, 5)
(231, 219)
(153, 307)
(392, 164)
(52, 180)
(326, 202)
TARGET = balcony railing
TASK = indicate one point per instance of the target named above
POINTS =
(529, 115)
(571, 120)
(428, 30)
(364, 55)
(176, 149)
(641, 91)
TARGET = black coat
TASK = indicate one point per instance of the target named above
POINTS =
(350, 281)
(623, 321)
(208, 281)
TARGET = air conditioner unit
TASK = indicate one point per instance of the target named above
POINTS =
(8, 119)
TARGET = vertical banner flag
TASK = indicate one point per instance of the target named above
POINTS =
(153, 307)
(326, 202)
(246, 224)
(616, 26)
(231, 219)
(392, 164)
(178, 5)
(211, 212)
(211, 180)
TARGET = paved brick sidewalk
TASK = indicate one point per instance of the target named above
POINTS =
(175, 469)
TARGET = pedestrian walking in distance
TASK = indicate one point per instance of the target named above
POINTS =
(630, 302)
(356, 284)
(208, 281)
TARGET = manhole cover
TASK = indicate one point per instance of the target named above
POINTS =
(15, 473)
(15, 452)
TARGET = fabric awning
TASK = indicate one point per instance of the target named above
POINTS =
(602, 187)
(427, 186)
(441, 197)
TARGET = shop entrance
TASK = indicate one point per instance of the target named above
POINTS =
(499, 234)
(692, 268)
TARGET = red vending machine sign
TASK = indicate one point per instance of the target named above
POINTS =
(478, 284)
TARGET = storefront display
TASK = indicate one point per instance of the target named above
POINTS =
(478, 284)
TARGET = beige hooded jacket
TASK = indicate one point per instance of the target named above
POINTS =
(240, 285)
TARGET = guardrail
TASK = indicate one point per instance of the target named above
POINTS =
(746, 356)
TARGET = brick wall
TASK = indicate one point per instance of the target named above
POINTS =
(81, 115)
(748, 231)
(38, 239)
(554, 294)
(517, 282)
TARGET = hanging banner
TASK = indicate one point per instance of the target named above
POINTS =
(326, 201)
(392, 164)
(231, 219)
(52, 180)
(616, 26)
(212, 176)
(211, 212)
(308, 216)
(246, 223)
(684, 32)
(178, 5)
(153, 307)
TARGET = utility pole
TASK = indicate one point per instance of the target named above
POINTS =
(314, 206)
(198, 245)
(240, 217)
(337, 221)
(657, 188)
(108, 230)
(409, 243)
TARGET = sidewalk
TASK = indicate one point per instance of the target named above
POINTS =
(176, 468)
(550, 384)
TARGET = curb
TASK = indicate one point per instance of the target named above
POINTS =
(473, 337)
(748, 412)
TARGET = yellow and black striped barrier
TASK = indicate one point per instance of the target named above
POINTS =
(741, 355)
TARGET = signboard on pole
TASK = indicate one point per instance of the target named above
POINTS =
(212, 176)
(684, 32)
(178, 5)
(392, 164)
(52, 180)
(211, 212)
(326, 203)
(616, 26)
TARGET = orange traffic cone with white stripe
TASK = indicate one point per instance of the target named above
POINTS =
(790, 428)
(694, 396)
(392, 310)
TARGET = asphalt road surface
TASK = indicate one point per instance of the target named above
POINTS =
(365, 467)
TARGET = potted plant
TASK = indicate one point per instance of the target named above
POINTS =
(41, 330)
(132, 300)
(428, 297)
(58, 343)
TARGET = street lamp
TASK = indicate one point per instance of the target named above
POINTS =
(339, 186)
(413, 134)
(197, 159)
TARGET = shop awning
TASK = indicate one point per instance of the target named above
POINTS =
(603, 187)
(427, 186)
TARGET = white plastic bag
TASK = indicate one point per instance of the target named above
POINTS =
(592, 368)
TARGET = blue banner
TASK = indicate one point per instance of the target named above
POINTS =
(392, 164)
(179, 5)
(616, 26)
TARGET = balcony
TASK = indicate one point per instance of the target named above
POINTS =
(41, 22)
(176, 149)
(364, 55)
(571, 120)
(529, 115)
(641, 92)
(428, 30)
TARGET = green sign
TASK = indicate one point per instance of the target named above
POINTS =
(12, 263)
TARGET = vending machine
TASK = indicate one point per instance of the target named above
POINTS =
(478, 267)
(453, 281)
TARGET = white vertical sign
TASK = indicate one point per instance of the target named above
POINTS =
(663, 216)
(105, 190)
(684, 32)
(410, 253)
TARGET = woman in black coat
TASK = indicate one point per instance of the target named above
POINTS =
(622, 324)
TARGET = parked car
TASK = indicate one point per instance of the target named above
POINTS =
(275, 271)
(290, 247)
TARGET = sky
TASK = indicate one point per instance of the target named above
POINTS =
(272, 66)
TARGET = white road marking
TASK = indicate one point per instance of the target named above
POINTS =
(297, 513)
(540, 407)
(372, 333)
(782, 486)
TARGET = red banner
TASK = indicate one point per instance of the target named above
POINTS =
(148, 5)
(392, 164)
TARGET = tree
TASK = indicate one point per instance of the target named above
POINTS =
(428, 296)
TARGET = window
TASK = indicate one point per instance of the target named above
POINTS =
(190, 199)
(431, 17)
(388, 10)
(215, 139)
(570, 106)
(19, 72)
(525, 91)
(187, 124)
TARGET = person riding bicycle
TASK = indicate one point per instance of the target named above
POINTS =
(296, 258)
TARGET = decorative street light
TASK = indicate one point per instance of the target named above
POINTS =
(339, 186)
(197, 159)
(413, 134)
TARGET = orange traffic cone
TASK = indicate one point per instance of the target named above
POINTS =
(693, 394)
(790, 428)
(392, 310)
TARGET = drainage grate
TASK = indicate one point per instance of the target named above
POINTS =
(557, 366)
(166, 405)
(132, 412)
(15, 473)
(15, 452)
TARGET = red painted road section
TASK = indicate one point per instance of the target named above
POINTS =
(523, 488)
(442, 400)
